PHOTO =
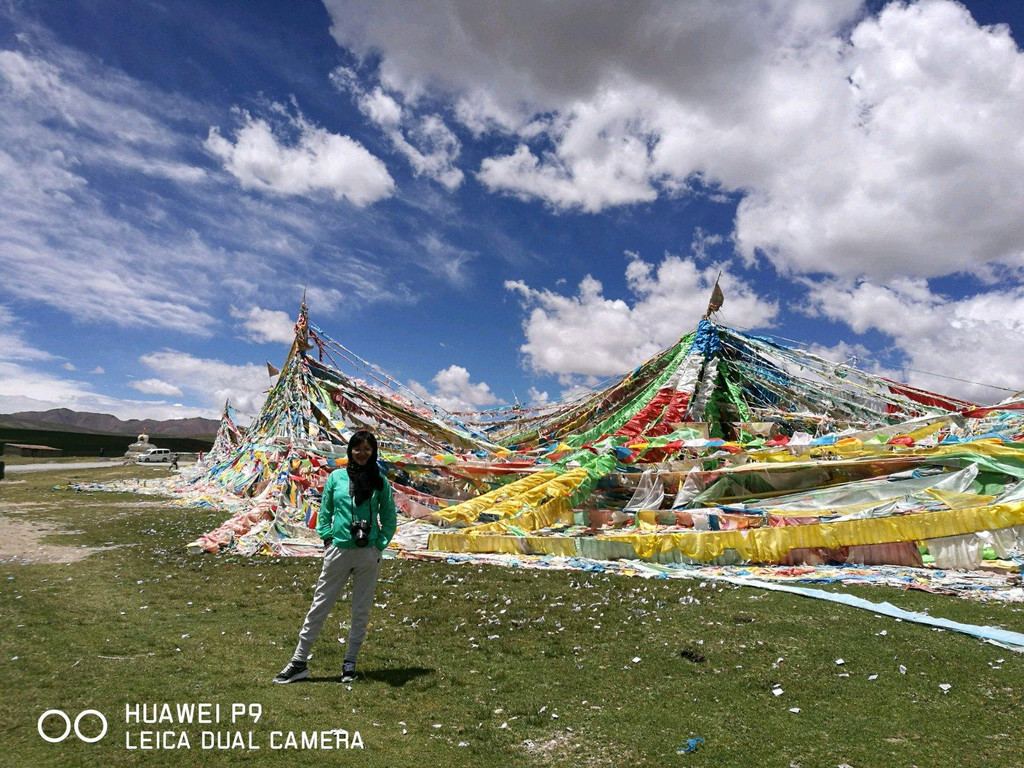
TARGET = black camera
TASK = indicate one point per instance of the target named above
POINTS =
(360, 531)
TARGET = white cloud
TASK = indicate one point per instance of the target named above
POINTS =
(316, 161)
(537, 398)
(910, 166)
(266, 325)
(68, 366)
(98, 370)
(25, 389)
(156, 387)
(590, 334)
(857, 144)
(213, 381)
(979, 339)
(210, 382)
(87, 236)
(353, 278)
(432, 152)
(72, 244)
(454, 391)
(444, 259)
(425, 141)
(381, 108)
(116, 122)
(590, 188)
(13, 345)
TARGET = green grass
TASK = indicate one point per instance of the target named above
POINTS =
(481, 656)
(11, 461)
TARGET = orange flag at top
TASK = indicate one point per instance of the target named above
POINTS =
(717, 300)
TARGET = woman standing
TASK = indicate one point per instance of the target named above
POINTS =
(356, 521)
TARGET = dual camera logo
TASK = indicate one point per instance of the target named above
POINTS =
(62, 715)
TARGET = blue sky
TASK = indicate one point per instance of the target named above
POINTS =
(494, 200)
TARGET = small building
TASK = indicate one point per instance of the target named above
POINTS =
(24, 449)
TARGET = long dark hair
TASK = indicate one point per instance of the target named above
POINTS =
(363, 480)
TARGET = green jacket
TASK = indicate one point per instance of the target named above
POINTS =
(337, 509)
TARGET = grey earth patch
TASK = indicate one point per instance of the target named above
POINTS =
(21, 542)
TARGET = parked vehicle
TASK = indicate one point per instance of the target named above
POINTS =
(154, 455)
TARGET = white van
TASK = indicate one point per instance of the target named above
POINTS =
(154, 455)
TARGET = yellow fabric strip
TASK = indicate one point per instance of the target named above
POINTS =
(766, 545)
(530, 519)
(560, 486)
(760, 545)
(958, 500)
(469, 511)
(560, 546)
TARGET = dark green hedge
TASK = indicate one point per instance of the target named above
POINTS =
(83, 444)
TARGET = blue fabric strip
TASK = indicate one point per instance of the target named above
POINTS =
(1013, 641)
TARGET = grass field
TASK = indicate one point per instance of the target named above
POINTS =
(469, 665)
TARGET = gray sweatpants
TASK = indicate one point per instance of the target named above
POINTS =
(364, 567)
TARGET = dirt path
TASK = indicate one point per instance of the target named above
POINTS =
(21, 540)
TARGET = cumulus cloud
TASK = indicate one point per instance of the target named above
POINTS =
(424, 140)
(315, 160)
(953, 347)
(590, 334)
(25, 389)
(380, 108)
(915, 158)
(156, 387)
(454, 391)
(209, 382)
(856, 143)
(265, 325)
(536, 398)
(432, 151)
(213, 381)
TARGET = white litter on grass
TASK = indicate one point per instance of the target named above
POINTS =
(903, 670)
(795, 710)
(840, 662)
(872, 677)
(944, 687)
(636, 659)
(777, 691)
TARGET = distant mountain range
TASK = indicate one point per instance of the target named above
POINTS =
(65, 420)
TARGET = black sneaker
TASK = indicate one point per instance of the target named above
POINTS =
(295, 671)
(348, 672)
